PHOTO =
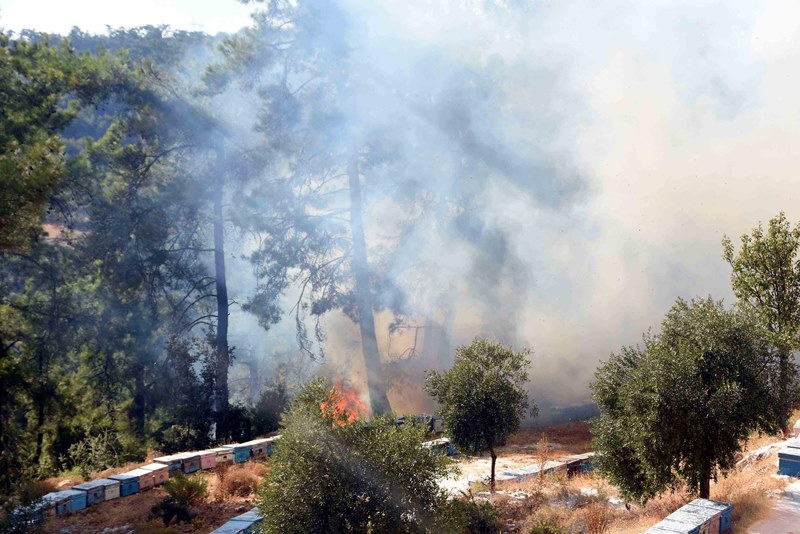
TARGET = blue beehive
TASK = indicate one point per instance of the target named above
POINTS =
(789, 462)
(77, 501)
(128, 483)
(725, 509)
(247, 523)
(241, 452)
(190, 461)
(95, 491)
(700, 516)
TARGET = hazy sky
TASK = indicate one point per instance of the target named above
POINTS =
(59, 16)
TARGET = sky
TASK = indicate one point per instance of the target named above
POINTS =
(59, 16)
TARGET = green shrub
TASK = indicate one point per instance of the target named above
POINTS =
(546, 527)
(95, 452)
(182, 492)
(469, 516)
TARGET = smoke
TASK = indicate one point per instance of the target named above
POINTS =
(579, 163)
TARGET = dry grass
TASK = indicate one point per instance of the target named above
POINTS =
(564, 438)
(240, 480)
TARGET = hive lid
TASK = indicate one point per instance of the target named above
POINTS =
(140, 472)
(89, 486)
(154, 467)
(790, 453)
(236, 446)
(107, 482)
(167, 459)
(56, 497)
(124, 477)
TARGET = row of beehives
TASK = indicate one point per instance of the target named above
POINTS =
(147, 476)
(701, 516)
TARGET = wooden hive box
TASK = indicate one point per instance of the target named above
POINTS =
(145, 476)
(111, 488)
(128, 483)
(258, 447)
(160, 472)
(95, 491)
(270, 446)
(190, 461)
(241, 452)
(698, 517)
(208, 459)
(235, 526)
(724, 508)
(76, 501)
(224, 455)
(789, 462)
(56, 502)
(173, 462)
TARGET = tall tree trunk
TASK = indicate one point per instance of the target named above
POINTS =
(494, 461)
(139, 401)
(785, 379)
(223, 360)
(705, 485)
(379, 402)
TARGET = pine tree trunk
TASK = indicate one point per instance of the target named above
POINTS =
(785, 378)
(494, 461)
(379, 402)
(139, 407)
(705, 487)
(222, 362)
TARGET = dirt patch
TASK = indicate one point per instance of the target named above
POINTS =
(134, 511)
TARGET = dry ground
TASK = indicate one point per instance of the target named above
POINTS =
(231, 491)
(587, 503)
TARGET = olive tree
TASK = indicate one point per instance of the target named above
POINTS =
(331, 474)
(765, 275)
(482, 397)
(679, 408)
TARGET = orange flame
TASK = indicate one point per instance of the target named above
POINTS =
(347, 407)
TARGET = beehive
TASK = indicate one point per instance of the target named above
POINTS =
(160, 472)
(208, 459)
(190, 461)
(700, 516)
(247, 523)
(725, 509)
(258, 447)
(796, 429)
(224, 455)
(128, 483)
(789, 462)
(95, 491)
(173, 462)
(241, 452)
(76, 500)
(55, 502)
(145, 478)
(111, 488)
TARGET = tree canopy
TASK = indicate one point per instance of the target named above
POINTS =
(765, 276)
(332, 474)
(483, 397)
(679, 408)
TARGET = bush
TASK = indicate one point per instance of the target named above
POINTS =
(597, 518)
(182, 492)
(95, 453)
(546, 527)
(242, 480)
(469, 516)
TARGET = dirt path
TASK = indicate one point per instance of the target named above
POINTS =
(784, 516)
